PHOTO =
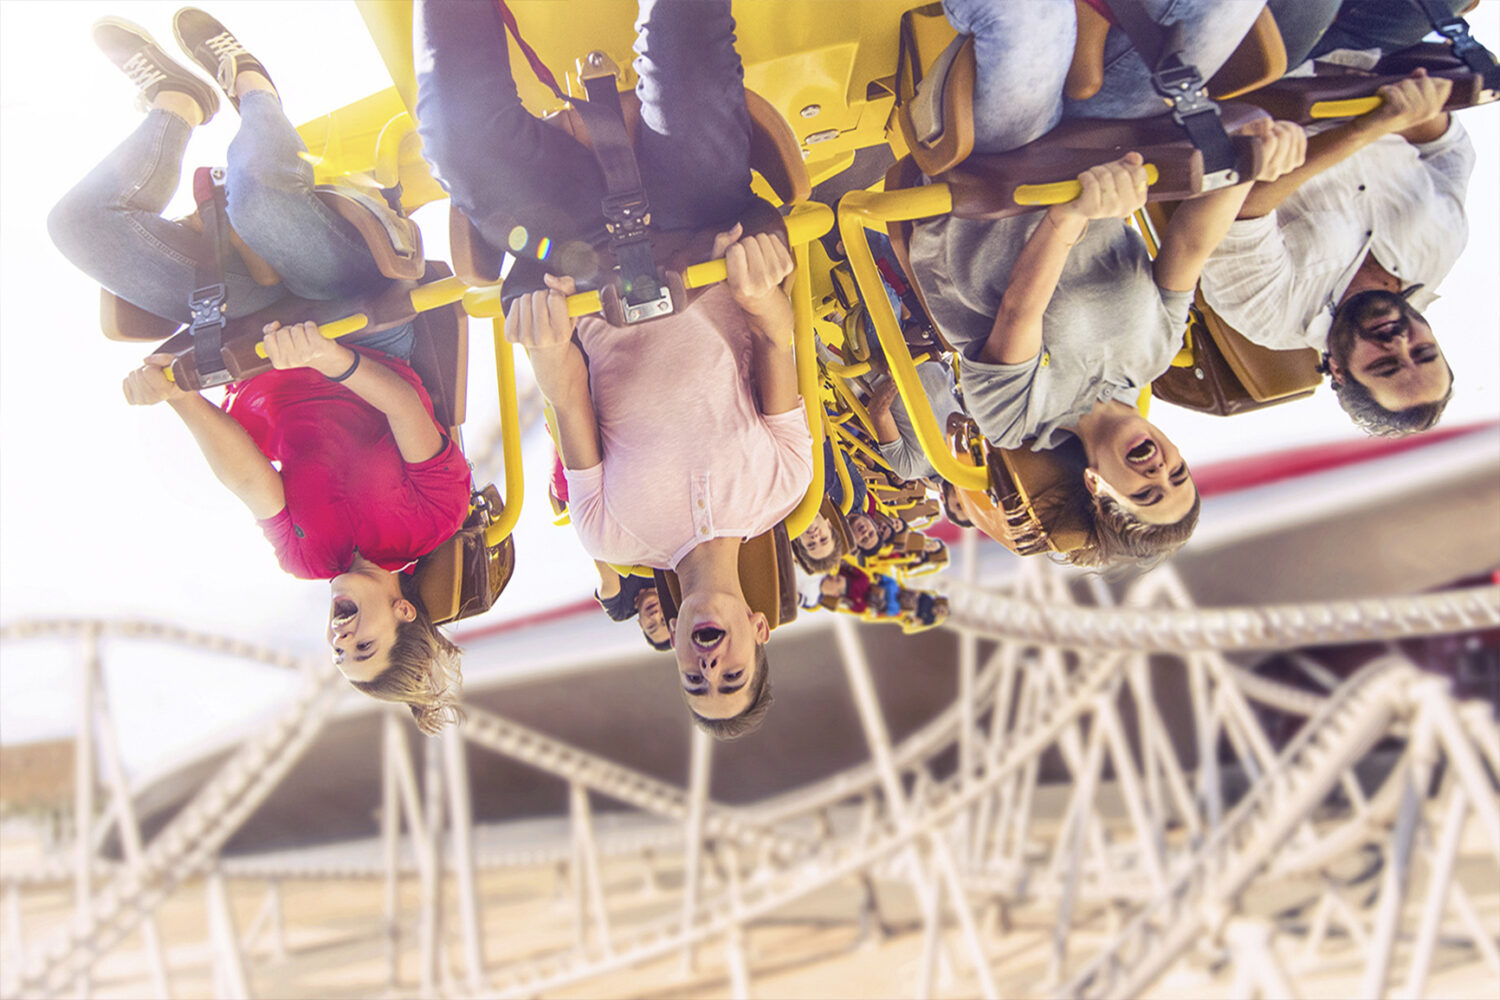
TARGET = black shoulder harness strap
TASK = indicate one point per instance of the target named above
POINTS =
(1455, 30)
(1183, 88)
(209, 301)
(625, 207)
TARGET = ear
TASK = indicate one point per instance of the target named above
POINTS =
(405, 610)
(761, 626)
(672, 632)
(1335, 372)
(1091, 481)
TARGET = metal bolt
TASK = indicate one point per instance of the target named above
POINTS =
(811, 111)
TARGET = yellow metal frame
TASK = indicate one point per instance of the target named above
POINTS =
(862, 210)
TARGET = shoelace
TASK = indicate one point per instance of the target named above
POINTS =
(226, 49)
(142, 71)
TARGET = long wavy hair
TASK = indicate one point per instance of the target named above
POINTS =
(424, 670)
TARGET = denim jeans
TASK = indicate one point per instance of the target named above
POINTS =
(1023, 50)
(1386, 25)
(533, 189)
(110, 225)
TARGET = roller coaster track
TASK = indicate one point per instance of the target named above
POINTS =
(795, 863)
(1353, 719)
(1278, 626)
(190, 842)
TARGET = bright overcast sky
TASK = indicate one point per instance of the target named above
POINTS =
(107, 510)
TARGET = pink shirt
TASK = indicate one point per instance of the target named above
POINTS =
(688, 456)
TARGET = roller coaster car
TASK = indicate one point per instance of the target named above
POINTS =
(936, 116)
(767, 578)
(1022, 509)
(774, 154)
(1342, 92)
(464, 576)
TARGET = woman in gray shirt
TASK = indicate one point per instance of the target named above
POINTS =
(1060, 317)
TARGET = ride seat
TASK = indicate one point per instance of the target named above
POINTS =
(774, 153)
(767, 578)
(464, 576)
(1027, 520)
(937, 120)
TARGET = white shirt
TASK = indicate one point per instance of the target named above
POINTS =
(1278, 279)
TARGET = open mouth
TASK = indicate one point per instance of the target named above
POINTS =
(1142, 452)
(707, 636)
(344, 611)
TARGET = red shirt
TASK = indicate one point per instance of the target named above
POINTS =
(346, 484)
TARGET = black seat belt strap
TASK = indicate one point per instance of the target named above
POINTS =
(1455, 30)
(208, 302)
(1182, 86)
(625, 208)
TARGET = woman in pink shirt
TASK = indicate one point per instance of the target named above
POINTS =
(682, 435)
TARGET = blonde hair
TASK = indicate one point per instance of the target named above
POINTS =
(424, 671)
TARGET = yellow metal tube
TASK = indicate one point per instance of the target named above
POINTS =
(848, 371)
(388, 149)
(857, 211)
(510, 431)
(809, 382)
(1351, 108)
(855, 406)
(1061, 192)
(331, 331)
(445, 291)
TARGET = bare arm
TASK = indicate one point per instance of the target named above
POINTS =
(757, 266)
(1201, 223)
(1411, 108)
(231, 453)
(301, 346)
(879, 408)
(609, 580)
(540, 323)
(1111, 190)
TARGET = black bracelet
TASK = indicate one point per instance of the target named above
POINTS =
(349, 371)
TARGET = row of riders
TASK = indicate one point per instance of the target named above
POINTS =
(680, 436)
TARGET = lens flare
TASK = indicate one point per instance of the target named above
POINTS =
(518, 239)
(543, 247)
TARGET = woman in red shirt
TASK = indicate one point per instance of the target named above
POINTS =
(336, 452)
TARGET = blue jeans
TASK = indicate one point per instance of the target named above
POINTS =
(1023, 49)
(532, 188)
(110, 225)
(1387, 25)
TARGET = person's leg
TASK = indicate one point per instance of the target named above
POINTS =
(1021, 52)
(1387, 25)
(1212, 29)
(110, 226)
(1301, 23)
(514, 177)
(694, 150)
(273, 207)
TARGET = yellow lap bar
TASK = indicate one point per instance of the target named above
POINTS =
(1351, 108)
(510, 438)
(1061, 192)
(331, 331)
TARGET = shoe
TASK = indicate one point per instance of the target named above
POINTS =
(211, 46)
(138, 56)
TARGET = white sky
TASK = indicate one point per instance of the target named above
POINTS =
(102, 506)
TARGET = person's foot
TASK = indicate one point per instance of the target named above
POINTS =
(211, 46)
(138, 56)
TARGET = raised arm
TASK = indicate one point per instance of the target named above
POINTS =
(1201, 223)
(231, 453)
(757, 266)
(1110, 191)
(1411, 108)
(540, 323)
(301, 346)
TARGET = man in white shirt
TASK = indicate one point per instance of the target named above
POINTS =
(1342, 253)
